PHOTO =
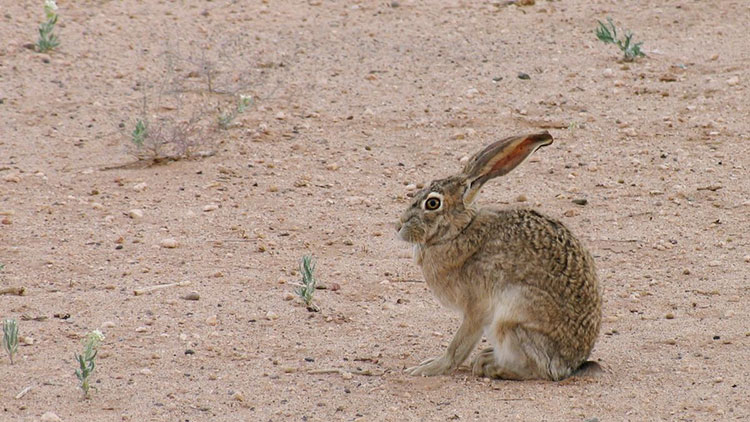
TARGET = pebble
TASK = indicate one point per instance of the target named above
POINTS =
(26, 340)
(212, 320)
(608, 72)
(192, 296)
(50, 417)
(135, 213)
(411, 187)
(280, 115)
(471, 92)
(580, 201)
(141, 329)
(97, 205)
(168, 243)
(522, 75)
(714, 264)
(210, 207)
(238, 396)
(570, 213)
(734, 80)
(12, 178)
(746, 258)
(288, 296)
(521, 198)
(669, 315)
(108, 324)
(272, 315)
(140, 187)
(347, 375)
(145, 371)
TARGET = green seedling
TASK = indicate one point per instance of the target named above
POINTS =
(306, 288)
(225, 119)
(10, 337)
(139, 133)
(86, 361)
(607, 33)
(48, 40)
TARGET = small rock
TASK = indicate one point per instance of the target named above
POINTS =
(50, 417)
(734, 80)
(135, 214)
(280, 115)
(521, 198)
(288, 296)
(272, 315)
(347, 375)
(140, 187)
(108, 324)
(522, 75)
(145, 371)
(411, 187)
(26, 340)
(238, 396)
(210, 207)
(669, 315)
(212, 320)
(580, 201)
(570, 213)
(168, 243)
(335, 287)
(141, 329)
(189, 351)
(472, 92)
(714, 264)
(192, 296)
(746, 258)
(97, 206)
(11, 178)
(608, 73)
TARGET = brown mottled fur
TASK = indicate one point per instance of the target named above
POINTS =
(520, 277)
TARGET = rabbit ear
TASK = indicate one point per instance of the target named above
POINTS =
(499, 158)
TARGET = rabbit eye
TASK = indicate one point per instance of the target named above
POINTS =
(431, 204)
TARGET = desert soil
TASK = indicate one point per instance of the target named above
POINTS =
(356, 104)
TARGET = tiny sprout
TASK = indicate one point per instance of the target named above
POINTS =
(608, 35)
(86, 360)
(10, 337)
(306, 288)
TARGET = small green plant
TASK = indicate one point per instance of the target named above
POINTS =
(139, 133)
(607, 33)
(48, 40)
(306, 288)
(86, 361)
(10, 337)
(226, 119)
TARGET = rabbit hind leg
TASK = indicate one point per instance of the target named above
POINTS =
(519, 354)
(507, 359)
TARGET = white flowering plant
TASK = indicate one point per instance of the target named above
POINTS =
(48, 40)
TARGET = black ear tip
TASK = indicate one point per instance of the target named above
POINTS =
(543, 138)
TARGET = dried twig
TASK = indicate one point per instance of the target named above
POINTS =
(149, 289)
(23, 392)
(18, 291)
(365, 372)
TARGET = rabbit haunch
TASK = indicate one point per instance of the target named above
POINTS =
(517, 276)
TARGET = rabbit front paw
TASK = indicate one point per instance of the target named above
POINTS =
(430, 367)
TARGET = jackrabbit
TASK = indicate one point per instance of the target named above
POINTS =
(520, 277)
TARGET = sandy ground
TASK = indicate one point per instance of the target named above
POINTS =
(355, 103)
